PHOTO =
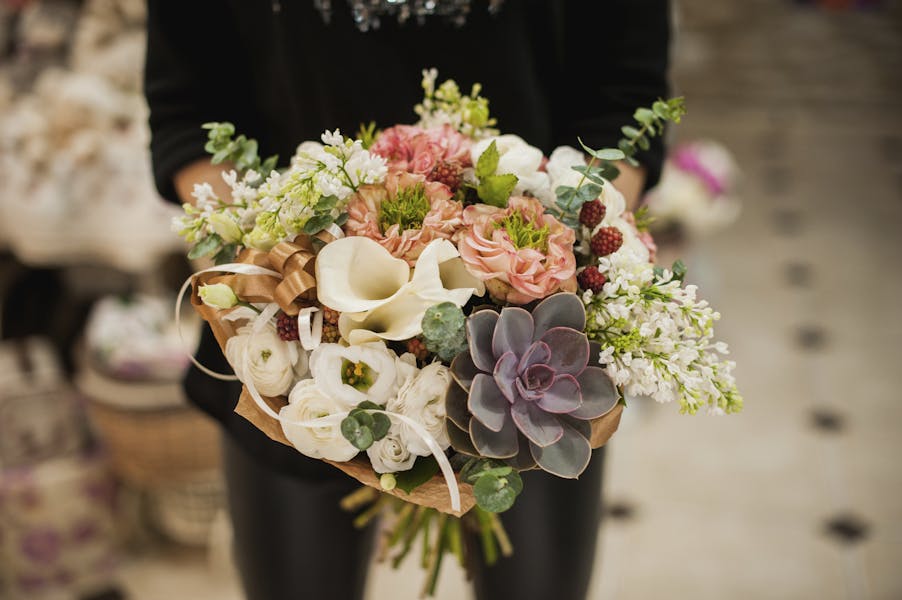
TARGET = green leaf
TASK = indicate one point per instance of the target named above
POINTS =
(488, 161)
(679, 269)
(342, 219)
(317, 223)
(602, 154)
(381, 425)
(566, 197)
(226, 254)
(643, 143)
(587, 193)
(207, 246)
(360, 437)
(594, 174)
(495, 190)
(644, 116)
(326, 203)
(629, 132)
(424, 469)
(497, 494)
(269, 165)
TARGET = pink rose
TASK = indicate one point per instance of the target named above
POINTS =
(520, 246)
(440, 216)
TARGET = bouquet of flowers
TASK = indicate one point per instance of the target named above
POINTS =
(697, 191)
(434, 308)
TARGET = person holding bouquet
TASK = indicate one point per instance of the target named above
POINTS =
(283, 72)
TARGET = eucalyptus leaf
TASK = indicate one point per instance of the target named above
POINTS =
(381, 425)
(360, 437)
(602, 154)
(207, 246)
(317, 223)
(497, 494)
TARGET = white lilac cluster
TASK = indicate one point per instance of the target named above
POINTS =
(263, 214)
(446, 105)
(657, 337)
(340, 166)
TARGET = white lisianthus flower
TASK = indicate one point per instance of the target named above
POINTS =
(265, 359)
(354, 374)
(307, 402)
(390, 454)
(518, 158)
(422, 398)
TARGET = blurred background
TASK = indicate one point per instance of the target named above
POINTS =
(783, 195)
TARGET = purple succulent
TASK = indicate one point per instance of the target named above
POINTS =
(525, 391)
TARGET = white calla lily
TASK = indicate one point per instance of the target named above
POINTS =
(376, 293)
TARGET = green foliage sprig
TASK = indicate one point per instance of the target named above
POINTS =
(493, 189)
(495, 484)
(650, 121)
(241, 151)
(363, 428)
(444, 330)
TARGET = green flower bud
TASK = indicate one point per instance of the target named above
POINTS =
(217, 295)
(388, 482)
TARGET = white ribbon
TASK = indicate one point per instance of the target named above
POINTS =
(310, 328)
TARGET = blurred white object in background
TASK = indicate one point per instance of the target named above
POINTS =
(697, 191)
(136, 338)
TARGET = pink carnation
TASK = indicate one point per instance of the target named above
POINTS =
(416, 150)
(443, 220)
(518, 274)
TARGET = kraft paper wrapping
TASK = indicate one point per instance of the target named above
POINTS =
(432, 494)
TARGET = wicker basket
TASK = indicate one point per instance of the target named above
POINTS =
(152, 448)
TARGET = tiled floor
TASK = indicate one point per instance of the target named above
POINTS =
(800, 496)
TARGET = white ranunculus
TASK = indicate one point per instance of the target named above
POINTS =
(305, 403)
(376, 379)
(560, 166)
(376, 293)
(390, 454)
(613, 200)
(518, 158)
(422, 398)
(265, 359)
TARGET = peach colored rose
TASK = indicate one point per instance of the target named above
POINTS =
(530, 270)
(443, 220)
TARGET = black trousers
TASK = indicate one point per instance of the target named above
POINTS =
(293, 541)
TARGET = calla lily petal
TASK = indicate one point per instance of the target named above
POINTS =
(345, 275)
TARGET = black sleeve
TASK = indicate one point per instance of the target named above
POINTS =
(614, 59)
(191, 76)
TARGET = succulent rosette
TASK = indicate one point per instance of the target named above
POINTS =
(404, 214)
(524, 390)
(522, 253)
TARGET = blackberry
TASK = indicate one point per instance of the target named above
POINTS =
(287, 327)
(330, 316)
(591, 278)
(416, 347)
(606, 240)
(592, 213)
(448, 172)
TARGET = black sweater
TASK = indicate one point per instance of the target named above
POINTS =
(552, 70)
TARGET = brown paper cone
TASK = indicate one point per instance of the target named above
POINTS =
(432, 494)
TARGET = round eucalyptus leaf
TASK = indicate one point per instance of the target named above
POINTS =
(494, 494)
